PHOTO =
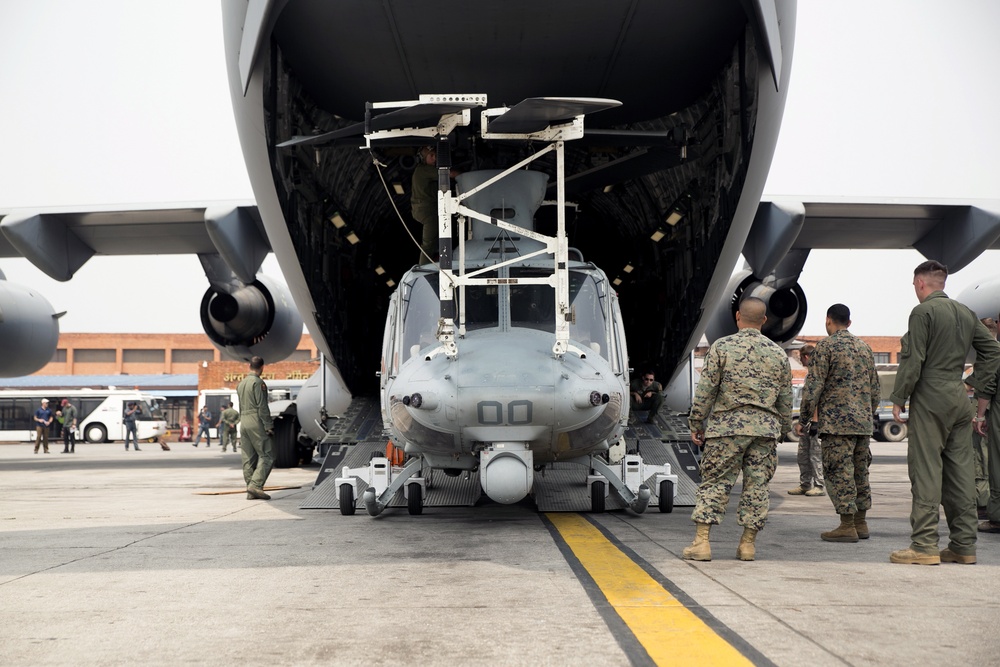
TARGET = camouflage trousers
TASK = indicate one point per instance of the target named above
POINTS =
(723, 460)
(980, 451)
(845, 460)
(810, 460)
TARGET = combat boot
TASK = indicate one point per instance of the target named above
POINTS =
(746, 550)
(845, 532)
(860, 525)
(254, 492)
(700, 549)
(949, 556)
(911, 557)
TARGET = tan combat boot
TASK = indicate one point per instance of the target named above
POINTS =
(860, 525)
(845, 532)
(746, 550)
(700, 549)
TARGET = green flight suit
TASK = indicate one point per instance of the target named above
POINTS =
(939, 458)
(256, 427)
(227, 427)
(842, 387)
(743, 404)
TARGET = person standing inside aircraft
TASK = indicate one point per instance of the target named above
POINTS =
(204, 426)
(741, 408)
(227, 427)
(69, 427)
(257, 429)
(810, 455)
(843, 389)
(647, 394)
(43, 420)
(424, 202)
(980, 450)
(131, 413)
(939, 459)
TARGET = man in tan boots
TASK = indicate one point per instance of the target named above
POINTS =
(843, 389)
(745, 395)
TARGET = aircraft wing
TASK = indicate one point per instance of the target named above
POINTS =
(60, 240)
(950, 231)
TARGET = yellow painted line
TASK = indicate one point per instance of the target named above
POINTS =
(669, 632)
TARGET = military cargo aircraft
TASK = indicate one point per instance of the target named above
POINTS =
(645, 128)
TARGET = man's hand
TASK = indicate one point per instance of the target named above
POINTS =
(698, 438)
(270, 432)
(896, 410)
(979, 425)
(799, 429)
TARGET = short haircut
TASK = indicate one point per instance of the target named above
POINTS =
(753, 310)
(256, 363)
(840, 314)
(991, 325)
(931, 270)
(807, 349)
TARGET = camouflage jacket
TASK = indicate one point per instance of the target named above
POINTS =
(933, 351)
(843, 385)
(745, 388)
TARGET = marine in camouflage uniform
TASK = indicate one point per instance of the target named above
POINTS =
(939, 458)
(741, 408)
(257, 429)
(843, 389)
(810, 454)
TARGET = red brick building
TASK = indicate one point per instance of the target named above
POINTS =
(143, 354)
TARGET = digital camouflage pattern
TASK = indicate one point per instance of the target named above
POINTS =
(724, 458)
(931, 362)
(846, 459)
(842, 386)
(745, 388)
(743, 404)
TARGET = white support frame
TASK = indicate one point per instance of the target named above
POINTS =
(452, 205)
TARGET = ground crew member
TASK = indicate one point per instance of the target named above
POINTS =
(69, 427)
(745, 394)
(647, 394)
(843, 387)
(257, 429)
(227, 426)
(809, 455)
(43, 420)
(939, 458)
(980, 451)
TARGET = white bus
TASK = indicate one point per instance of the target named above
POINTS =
(100, 413)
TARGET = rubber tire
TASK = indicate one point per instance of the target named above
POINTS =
(597, 497)
(284, 441)
(99, 429)
(666, 498)
(894, 431)
(415, 499)
(347, 507)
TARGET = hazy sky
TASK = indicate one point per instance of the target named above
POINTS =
(124, 102)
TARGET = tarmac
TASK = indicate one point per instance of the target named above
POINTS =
(115, 557)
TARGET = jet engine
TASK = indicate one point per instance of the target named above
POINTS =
(29, 330)
(259, 319)
(786, 308)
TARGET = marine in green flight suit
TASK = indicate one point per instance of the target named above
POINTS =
(227, 427)
(939, 458)
(257, 429)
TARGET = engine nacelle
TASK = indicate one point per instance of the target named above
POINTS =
(259, 319)
(29, 330)
(786, 308)
(309, 400)
(982, 298)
